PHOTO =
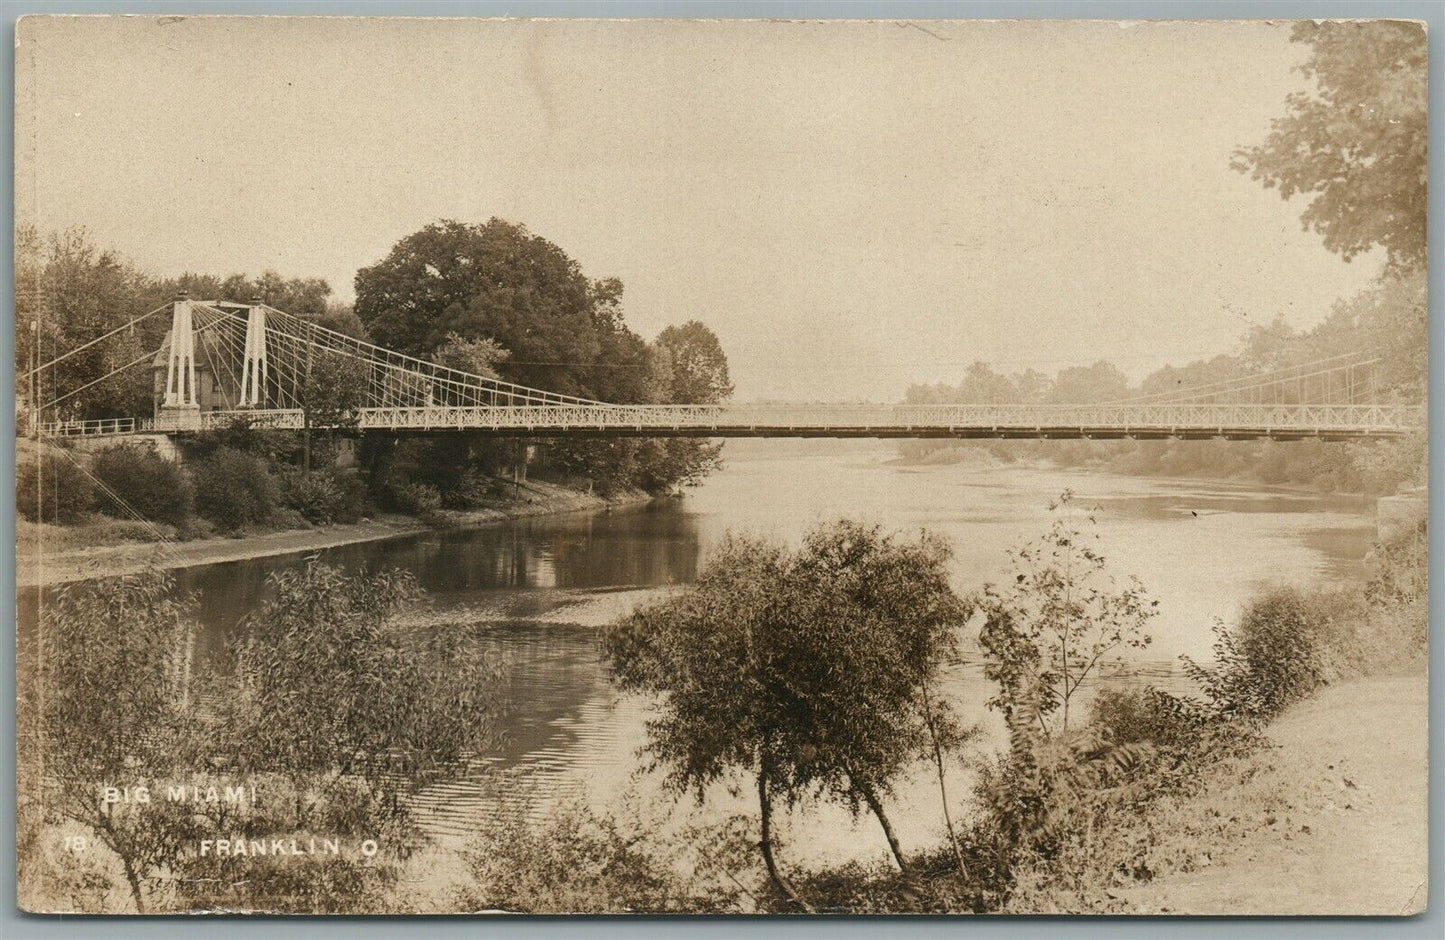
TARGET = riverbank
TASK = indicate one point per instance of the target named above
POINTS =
(36, 566)
(1330, 819)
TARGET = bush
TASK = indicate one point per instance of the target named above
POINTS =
(323, 496)
(234, 489)
(418, 499)
(469, 491)
(50, 487)
(1278, 654)
(314, 495)
(575, 860)
(1150, 716)
(154, 487)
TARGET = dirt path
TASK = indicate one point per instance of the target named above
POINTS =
(1354, 763)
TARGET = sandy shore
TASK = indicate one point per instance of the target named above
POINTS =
(37, 567)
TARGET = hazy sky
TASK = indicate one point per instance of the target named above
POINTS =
(852, 207)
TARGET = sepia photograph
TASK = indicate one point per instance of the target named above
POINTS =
(720, 467)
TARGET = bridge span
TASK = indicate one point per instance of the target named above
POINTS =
(1141, 421)
(223, 364)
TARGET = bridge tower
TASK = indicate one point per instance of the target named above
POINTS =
(182, 398)
(253, 367)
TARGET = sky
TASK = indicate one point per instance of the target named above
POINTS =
(852, 207)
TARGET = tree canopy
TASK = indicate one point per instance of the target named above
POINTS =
(808, 669)
(1356, 142)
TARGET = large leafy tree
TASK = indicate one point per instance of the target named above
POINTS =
(73, 292)
(811, 670)
(1356, 141)
(694, 366)
(496, 281)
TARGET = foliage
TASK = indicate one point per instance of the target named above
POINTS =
(302, 296)
(1401, 569)
(323, 497)
(1357, 141)
(417, 499)
(872, 625)
(304, 808)
(693, 370)
(497, 300)
(235, 489)
(476, 356)
(328, 683)
(1273, 658)
(74, 291)
(105, 705)
(580, 861)
(1046, 632)
(709, 652)
(50, 486)
(496, 281)
(1389, 317)
(808, 670)
(334, 391)
(147, 483)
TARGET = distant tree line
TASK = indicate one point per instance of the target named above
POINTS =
(1354, 144)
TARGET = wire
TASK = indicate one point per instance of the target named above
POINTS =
(26, 375)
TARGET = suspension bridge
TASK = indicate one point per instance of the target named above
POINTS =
(224, 364)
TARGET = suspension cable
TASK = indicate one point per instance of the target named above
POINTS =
(67, 355)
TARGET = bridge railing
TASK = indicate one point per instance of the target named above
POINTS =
(1021, 419)
(96, 428)
(1119, 417)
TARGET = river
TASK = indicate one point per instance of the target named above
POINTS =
(537, 588)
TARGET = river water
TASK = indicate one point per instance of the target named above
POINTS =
(537, 589)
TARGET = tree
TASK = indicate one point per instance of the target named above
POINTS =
(496, 281)
(1356, 141)
(695, 368)
(333, 392)
(709, 652)
(76, 292)
(874, 625)
(1083, 385)
(809, 670)
(107, 708)
(1046, 632)
(302, 296)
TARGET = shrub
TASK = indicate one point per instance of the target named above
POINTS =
(1400, 569)
(577, 861)
(316, 496)
(418, 499)
(1277, 655)
(469, 491)
(50, 487)
(234, 489)
(1126, 716)
(325, 496)
(156, 488)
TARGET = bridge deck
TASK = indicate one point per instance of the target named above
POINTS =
(1186, 420)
